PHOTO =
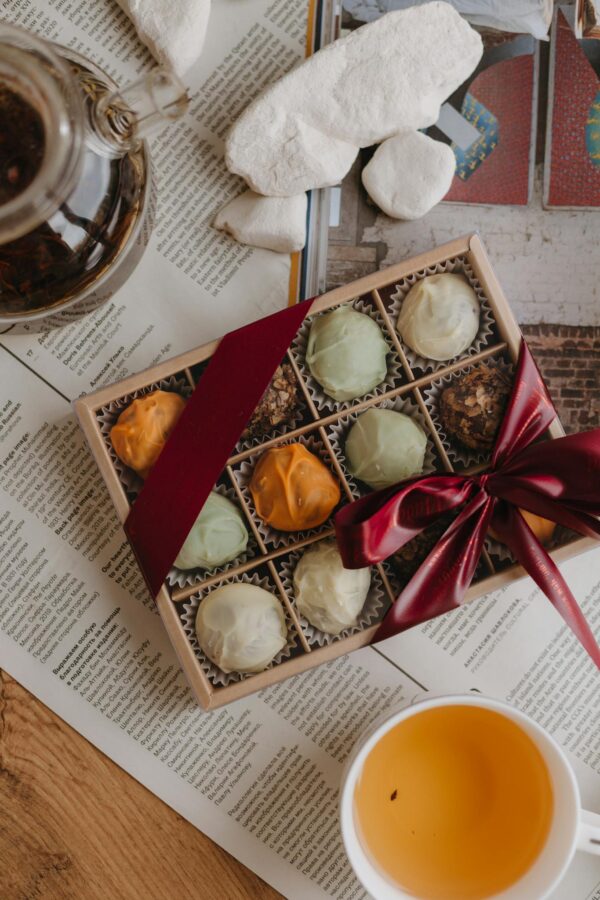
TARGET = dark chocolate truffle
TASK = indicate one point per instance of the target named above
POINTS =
(278, 406)
(471, 408)
(408, 558)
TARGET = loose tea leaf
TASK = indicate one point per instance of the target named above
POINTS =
(22, 144)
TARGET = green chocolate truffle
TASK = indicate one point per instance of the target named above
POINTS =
(217, 536)
(384, 447)
(346, 353)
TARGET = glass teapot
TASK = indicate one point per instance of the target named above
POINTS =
(75, 183)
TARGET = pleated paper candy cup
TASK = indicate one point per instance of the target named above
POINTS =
(108, 415)
(460, 456)
(457, 266)
(375, 607)
(189, 609)
(338, 434)
(272, 538)
(323, 402)
(179, 578)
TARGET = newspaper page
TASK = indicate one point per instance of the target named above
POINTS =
(193, 283)
(77, 627)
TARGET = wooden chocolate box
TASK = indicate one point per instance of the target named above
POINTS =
(412, 385)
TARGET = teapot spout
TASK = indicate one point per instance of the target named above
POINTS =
(123, 119)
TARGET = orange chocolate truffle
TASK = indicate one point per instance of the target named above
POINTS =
(142, 429)
(542, 528)
(292, 489)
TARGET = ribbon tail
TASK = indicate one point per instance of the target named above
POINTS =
(514, 531)
(569, 514)
(441, 581)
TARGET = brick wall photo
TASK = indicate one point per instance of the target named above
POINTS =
(569, 359)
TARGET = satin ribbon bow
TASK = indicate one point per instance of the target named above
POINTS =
(558, 479)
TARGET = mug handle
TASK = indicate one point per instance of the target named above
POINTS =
(588, 836)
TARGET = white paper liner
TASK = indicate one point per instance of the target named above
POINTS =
(108, 415)
(459, 266)
(462, 457)
(242, 473)
(189, 609)
(301, 417)
(395, 373)
(338, 432)
(183, 577)
(376, 603)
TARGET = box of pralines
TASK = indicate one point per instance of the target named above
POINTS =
(376, 386)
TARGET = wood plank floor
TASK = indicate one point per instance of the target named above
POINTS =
(74, 826)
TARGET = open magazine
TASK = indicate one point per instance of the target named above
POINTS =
(77, 626)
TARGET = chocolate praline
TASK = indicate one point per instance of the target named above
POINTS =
(329, 596)
(241, 627)
(278, 405)
(471, 408)
(292, 489)
(143, 428)
(346, 353)
(439, 318)
(408, 558)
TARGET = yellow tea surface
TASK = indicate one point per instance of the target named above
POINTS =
(454, 803)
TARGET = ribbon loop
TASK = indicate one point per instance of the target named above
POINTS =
(372, 528)
(557, 479)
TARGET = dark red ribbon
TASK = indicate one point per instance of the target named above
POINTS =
(203, 439)
(558, 479)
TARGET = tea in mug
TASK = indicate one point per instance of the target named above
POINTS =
(454, 803)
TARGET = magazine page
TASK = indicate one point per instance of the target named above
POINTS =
(193, 283)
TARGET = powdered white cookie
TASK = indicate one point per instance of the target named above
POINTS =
(276, 223)
(304, 131)
(173, 30)
(408, 174)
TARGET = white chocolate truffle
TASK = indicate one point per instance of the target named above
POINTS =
(329, 596)
(218, 535)
(241, 627)
(384, 447)
(439, 318)
(346, 353)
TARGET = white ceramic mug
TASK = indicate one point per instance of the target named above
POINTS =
(572, 828)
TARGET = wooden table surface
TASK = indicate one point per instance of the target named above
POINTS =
(74, 826)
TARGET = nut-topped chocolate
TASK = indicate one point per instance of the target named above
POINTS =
(471, 408)
(279, 404)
